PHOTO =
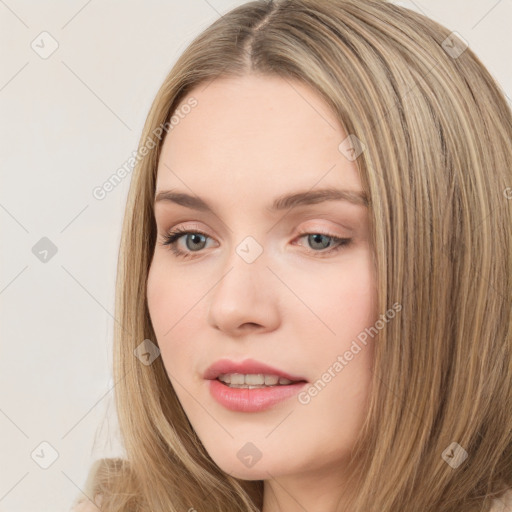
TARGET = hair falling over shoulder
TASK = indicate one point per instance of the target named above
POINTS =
(438, 170)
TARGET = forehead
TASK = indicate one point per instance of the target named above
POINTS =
(255, 135)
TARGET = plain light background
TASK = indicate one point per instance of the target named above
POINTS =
(68, 122)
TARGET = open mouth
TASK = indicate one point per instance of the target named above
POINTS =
(252, 392)
(254, 381)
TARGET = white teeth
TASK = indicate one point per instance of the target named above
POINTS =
(271, 380)
(252, 380)
(225, 378)
(237, 378)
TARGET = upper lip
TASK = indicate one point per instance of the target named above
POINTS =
(247, 366)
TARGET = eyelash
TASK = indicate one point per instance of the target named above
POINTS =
(171, 239)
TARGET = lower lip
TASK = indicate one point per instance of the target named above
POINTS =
(252, 400)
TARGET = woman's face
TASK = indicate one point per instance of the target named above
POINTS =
(254, 286)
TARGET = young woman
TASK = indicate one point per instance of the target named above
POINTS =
(315, 273)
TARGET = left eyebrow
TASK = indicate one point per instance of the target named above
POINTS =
(284, 202)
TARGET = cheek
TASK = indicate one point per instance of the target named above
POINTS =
(175, 309)
(159, 296)
(348, 310)
(169, 295)
(344, 297)
(356, 303)
(343, 368)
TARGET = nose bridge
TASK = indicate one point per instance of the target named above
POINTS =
(250, 249)
(245, 266)
(243, 293)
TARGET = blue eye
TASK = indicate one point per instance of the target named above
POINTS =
(171, 239)
(324, 239)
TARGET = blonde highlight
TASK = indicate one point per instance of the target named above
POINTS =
(438, 158)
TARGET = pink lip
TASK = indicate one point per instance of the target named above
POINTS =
(250, 400)
(247, 366)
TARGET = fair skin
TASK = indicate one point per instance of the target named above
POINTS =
(248, 141)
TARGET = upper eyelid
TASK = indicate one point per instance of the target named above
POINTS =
(294, 215)
(350, 226)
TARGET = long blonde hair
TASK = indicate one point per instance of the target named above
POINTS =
(437, 167)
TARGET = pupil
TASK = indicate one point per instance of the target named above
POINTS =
(195, 236)
(315, 239)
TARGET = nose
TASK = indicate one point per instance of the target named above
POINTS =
(245, 298)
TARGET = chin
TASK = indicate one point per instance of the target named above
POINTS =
(233, 466)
